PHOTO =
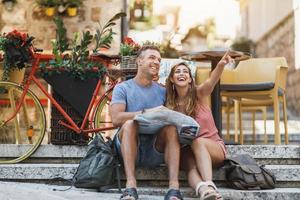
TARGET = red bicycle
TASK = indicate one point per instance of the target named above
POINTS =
(22, 116)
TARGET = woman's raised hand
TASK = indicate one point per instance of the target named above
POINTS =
(226, 59)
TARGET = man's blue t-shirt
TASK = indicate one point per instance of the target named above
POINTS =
(137, 97)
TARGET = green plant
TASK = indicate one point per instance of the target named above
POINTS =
(129, 47)
(78, 62)
(104, 37)
(17, 51)
(243, 44)
(48, 3)
(74, 3)
(13, 1)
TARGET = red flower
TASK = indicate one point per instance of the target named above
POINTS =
(16, 35)
(129, 41)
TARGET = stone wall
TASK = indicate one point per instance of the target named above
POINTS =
(28, 17)
(279, 41)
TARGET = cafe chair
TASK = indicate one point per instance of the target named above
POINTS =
(262, 80)
(203, 73)
(231, 106)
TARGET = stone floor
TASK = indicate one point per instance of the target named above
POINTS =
(34, 191)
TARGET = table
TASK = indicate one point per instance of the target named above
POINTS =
(214, 57)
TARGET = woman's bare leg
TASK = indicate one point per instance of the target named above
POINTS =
(207, 153)
(188, 164)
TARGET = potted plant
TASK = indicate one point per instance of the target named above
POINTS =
(16, 47)
(48, 6)
(9, 4)
(74, 75)
(72, 6)
(128, 51)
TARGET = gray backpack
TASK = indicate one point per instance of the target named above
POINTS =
(242, 172)
(99, 168)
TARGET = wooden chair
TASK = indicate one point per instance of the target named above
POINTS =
(231, 106)
(260, 82)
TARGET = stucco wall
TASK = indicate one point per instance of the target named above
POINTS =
(28, 17)
(261, 15)
(280, 41)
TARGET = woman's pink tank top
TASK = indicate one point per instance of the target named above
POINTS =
(208, 128)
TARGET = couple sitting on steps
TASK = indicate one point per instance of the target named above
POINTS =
(133, 96)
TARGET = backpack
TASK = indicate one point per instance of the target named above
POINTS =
(99, 167)
(242, 172)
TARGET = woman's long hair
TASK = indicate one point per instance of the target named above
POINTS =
(172, 96)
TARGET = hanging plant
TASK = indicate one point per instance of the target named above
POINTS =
(48, 6)
(9, 4)
(17, 51)
(72, 7)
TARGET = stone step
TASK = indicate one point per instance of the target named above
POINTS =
(286, 175)
(24, 191)
(280, 154)
(264, 154)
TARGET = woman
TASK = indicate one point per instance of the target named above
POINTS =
(208, 150)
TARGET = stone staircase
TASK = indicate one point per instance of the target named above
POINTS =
(52, 161)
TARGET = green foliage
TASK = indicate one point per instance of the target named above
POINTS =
(126, 50)
(17, 54)
(3, 43)
(74, 3)
(14, 1)
(78, 62)
(129, 47)
(61, 35)
(243, 44)
(104, 37)
(48, 3)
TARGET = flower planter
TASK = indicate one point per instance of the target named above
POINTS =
(16, 75)
(49, 11)
(72, 12)
(76, 92)
(128, 61)
(61, 135)
(74, 96)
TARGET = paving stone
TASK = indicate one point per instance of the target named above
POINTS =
(33, 191)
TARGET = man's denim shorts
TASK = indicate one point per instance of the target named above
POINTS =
(147, 155)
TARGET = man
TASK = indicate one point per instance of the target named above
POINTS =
(130, 98)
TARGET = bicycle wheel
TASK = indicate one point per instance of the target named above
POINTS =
(20, 136)
(102, 116)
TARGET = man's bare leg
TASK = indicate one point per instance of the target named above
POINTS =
(167, 141)
(128, 137)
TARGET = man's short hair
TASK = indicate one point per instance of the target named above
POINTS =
(147, 47)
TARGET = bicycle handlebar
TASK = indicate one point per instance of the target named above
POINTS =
(37, 50)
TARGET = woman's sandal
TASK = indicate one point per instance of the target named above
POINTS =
(173, 193)
(210, 193)
(129, 194)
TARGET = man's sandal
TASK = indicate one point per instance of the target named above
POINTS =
(211, 193)
(173, 193)
(129, 194)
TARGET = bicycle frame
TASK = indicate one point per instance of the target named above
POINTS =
(37, 58)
